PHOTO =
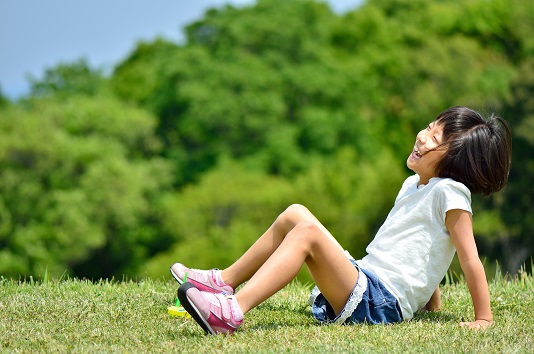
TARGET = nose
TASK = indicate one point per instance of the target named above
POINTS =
(422, 138)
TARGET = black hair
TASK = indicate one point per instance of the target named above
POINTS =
(478, 150)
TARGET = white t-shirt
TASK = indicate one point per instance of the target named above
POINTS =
(413, 250)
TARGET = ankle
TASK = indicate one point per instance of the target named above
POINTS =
(222, 279)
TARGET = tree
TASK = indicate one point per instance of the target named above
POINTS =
(79, 188)
(65, 79)
(515, 244)
(243, 85)
(4, 101)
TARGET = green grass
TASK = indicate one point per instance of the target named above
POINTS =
(79, 316)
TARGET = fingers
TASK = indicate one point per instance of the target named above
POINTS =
(479, 324)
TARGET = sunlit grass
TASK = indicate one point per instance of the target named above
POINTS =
(70, 315)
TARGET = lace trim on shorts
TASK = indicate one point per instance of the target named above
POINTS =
(315, 292)
(354, 299)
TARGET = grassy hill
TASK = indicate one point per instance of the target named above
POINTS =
(70, 315)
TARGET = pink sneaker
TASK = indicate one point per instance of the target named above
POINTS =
(213, 312)
(204, 280)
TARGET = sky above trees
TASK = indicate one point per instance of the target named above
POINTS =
(39, 35)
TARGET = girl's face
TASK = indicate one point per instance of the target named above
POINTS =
(423, 158)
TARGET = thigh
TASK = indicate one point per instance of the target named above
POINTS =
(333, 273)
(297, 213)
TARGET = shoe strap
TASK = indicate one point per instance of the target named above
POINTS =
(225, 307)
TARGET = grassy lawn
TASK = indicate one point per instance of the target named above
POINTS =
(111, 316)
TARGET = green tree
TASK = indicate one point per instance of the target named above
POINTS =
(79, 187)
(4, 101)
(249, 83)
(516, 244)
(66, 79)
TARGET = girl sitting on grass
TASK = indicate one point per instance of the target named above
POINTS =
(457, 154)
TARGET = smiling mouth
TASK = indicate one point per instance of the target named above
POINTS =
(416, 154)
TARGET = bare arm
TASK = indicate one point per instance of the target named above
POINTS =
(434, 304)
(460, 227)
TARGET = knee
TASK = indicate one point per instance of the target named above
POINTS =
(296, 209)
(295, 213)
(307, 233)
(290, 217)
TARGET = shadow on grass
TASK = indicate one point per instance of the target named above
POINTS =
(272, 326)
(438, 316)
(275, 317)
(283, 307)
(279, 322)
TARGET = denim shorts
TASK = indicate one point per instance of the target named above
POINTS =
(370, 302)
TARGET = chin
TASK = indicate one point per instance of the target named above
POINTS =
(409, 164)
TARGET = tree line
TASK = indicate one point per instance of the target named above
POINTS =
(187, 152)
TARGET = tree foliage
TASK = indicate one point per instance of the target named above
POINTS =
(76, 182)
(4, 101)
(188, 149)
(66, 79)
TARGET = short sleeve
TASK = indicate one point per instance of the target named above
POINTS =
(455, 195)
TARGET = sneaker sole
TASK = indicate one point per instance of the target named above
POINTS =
(215, 291)
(191, 308)
(176, 277)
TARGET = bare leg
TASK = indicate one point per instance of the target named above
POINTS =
(246, 266)
(306, 243)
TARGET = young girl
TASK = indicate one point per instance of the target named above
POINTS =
(457, 154)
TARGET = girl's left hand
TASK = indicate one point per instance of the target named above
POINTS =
(478, 324)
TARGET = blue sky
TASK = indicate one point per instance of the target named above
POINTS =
(35, 35)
